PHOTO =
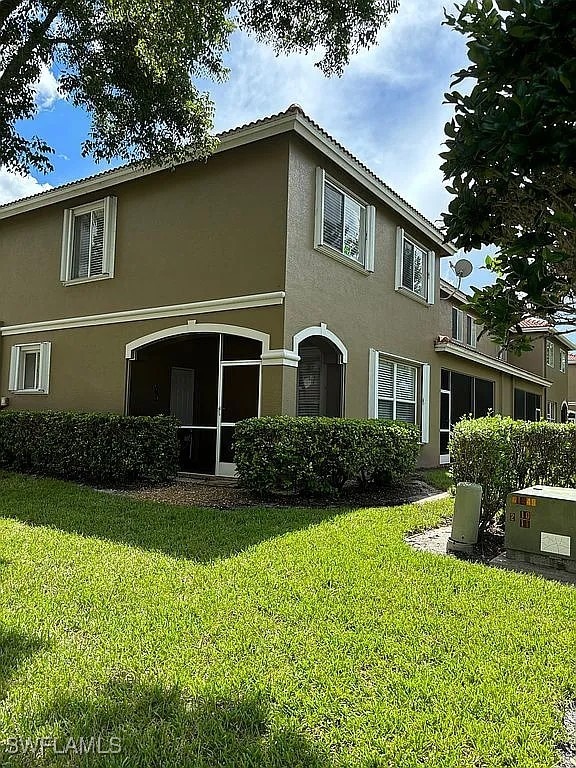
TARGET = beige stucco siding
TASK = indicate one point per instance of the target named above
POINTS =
(88, 365)
(200, 231)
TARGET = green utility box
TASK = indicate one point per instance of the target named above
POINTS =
(540, 527)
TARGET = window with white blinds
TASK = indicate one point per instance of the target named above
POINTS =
(30, 368)
(415, 268)
(344, 224)
(88, 241)
(397, 387)
(309, 382)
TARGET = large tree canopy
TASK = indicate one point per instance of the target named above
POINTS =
(511, 158)
(132, 64)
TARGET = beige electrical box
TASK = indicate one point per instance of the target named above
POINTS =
(540, 526)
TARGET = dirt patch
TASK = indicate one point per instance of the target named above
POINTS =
(208, 494)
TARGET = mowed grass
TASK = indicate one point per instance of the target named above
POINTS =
(278, 638)
(437, 478)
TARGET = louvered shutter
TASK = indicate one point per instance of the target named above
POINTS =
(405, 393)
(353, 214)
(44, 366)
(309, 370)
(431, 292)
(333, 223)
(81, 245)
(408, 265)
(14, 365)
(97, 243)
(385, 389)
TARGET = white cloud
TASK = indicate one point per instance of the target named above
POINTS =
(13, 186)
(386, 109)
(46, 89)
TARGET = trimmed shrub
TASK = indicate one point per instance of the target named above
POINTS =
(90, 447)
(503, 455)
(318, 455)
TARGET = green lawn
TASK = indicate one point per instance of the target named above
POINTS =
(276, 638)
(437, 478)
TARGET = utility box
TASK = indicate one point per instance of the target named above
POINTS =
(540, 527)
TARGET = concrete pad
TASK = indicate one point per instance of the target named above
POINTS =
(552, 574)
(433, 540)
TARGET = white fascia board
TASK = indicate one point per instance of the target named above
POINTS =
(148, 313)
(490, 362)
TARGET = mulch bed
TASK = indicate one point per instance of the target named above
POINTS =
(229, 496)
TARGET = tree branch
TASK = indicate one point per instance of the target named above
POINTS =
(37, 35)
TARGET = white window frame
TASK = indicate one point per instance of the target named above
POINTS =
(563, 361)
(422, 389)
(549, 353)
(367, 232)
(471, 340)
(17, 362)
(460, 315)
(429, 281)
(551, 410)
(109, 205)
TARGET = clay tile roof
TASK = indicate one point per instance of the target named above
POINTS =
(534, 323)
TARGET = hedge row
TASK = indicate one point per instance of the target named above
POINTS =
(90, 447)
(319, 456)
(504, 455)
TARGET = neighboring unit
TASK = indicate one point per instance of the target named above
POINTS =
(280, 276)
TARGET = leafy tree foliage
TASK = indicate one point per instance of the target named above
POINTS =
(132, 64)
(511, 158)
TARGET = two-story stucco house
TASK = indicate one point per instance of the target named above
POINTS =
(280, 276)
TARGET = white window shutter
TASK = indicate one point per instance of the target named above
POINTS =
(425, 437)
(44, 378)
(370, 237)
(66, 246)
(399, 246)
(431, 277)
(318, 221)
(14, 365)
(110, 208)
(373, 385)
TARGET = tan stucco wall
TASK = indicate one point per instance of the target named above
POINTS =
(88, 366)
(572, 383)
(201, 231)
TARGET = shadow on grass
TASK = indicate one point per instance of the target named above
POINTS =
(15, 648)
(183, 532)
(139, 725)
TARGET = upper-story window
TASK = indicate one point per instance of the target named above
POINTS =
(549, 353)
(463, 327)
(415, 268)
(344, 224)
(88, 242)
(563, 361)
(30, 368)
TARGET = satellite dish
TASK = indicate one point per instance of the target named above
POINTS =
(462, 268)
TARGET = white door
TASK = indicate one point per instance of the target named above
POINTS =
(238, 398)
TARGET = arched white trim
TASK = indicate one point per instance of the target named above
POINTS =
(320, 330)
(193, 327)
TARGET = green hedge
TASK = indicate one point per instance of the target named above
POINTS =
(504, 455)
(319, 456)
(90, 447)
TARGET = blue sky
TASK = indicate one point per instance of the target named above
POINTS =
(387, 108)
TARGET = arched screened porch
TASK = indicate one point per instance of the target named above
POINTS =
(207, 376)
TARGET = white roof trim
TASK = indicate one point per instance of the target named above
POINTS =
(269, 127)
(490, 362)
